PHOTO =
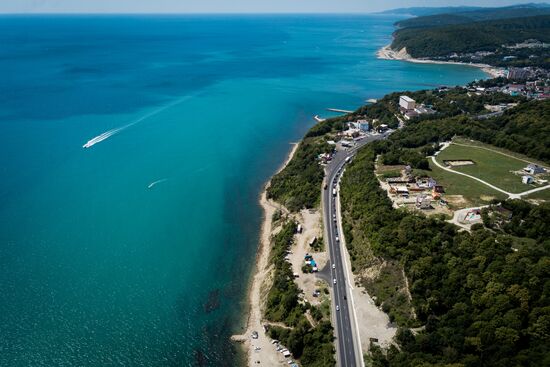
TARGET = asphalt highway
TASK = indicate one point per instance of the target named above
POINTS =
(348, 350)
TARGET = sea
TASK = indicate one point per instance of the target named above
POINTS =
(134, 150)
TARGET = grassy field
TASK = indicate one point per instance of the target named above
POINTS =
(479, 144)
(490, 166)
(539, 195)
(473, 192)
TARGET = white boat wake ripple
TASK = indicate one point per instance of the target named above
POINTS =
(107, 134)
(156, 182)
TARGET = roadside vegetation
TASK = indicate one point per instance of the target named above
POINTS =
(311, 344)
(298, 185)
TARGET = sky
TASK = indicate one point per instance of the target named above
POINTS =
(229, 6)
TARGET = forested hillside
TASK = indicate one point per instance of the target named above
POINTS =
(482, 298)
(474, 15)
(421, 11)
(479, 298)
(471, 37)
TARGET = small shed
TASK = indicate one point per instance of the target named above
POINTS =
(438, 189)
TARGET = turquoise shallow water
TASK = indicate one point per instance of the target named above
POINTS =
(96, 268)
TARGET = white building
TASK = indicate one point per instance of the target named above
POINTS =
(363, 125)
(407, 103)
(527, 179)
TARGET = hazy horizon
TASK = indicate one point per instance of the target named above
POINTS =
(224, 7)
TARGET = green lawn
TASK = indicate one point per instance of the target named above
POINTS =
(519, 156)
(539, 195)
(474, 192)
(492, 167)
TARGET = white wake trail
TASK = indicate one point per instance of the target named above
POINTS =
(107, 134)
(156, 182)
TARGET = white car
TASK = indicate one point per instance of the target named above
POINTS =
(334, 266)
(337, 308)
(337, 239)
(334, 281)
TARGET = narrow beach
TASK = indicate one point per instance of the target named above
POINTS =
(258, 285)
(386, 53)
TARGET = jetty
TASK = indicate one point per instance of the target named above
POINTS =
(318, 119)
(371, 100)
(338, 110)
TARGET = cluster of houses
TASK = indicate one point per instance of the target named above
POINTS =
(423, 189)
(532, 170)
(410, 109)
(357, 130)
(528, 82)
(533, 90)
(537, 89)
(530, 43)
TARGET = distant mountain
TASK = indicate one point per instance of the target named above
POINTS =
(474, 15)
(422, 11)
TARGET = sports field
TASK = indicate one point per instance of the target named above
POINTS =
(493, 166)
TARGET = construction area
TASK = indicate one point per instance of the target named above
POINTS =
(413, 192)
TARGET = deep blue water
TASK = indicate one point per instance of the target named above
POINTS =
(96, 268)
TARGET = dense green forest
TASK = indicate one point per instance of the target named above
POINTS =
(461, 16)
(519, 218)
(481, 297)
(312, 345)
(471, 37)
